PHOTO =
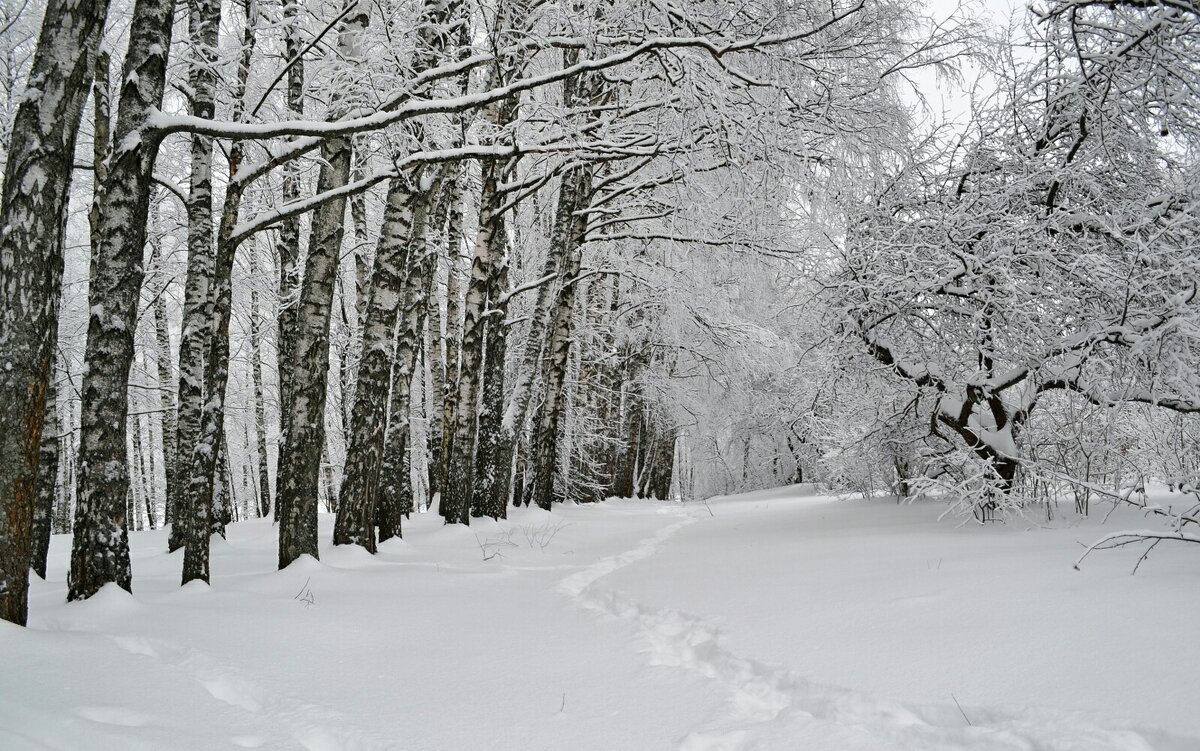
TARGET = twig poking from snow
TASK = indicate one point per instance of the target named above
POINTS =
(491, 547)
(542, 536)
(305, 595)
(960, 710)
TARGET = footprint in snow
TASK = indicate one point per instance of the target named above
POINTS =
(119, 716)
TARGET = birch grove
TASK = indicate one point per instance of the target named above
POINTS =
(443, 256)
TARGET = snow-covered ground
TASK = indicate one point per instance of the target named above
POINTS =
(769, 620)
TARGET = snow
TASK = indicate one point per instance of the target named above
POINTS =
(765, 621)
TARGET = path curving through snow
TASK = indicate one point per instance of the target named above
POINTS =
(634, 625)
(769, 707)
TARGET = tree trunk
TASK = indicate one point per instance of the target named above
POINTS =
(304, 420)
(457, 494)
(597, 383)
(33, 212)
(204, 21)
(328, 485)
(136, 479)
(222, 514)
(256, 375)
(43, 509)
(288, 246)
(207, 500)
(573, 196)
(395, 495)
(663, 468)
(100, 553)
(631, 433)
(527, 369)
(148, 472)
(435, 348)
(453, 340)
(355, 523)
(493, 460)
(63, 503)
(166, 396)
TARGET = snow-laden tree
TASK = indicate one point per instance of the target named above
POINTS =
(1054, 248)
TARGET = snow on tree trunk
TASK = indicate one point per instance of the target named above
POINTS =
(394, 496)
(204, 20)
(43, 508)
(303, 431)
(37, 182)
(493, 461)
(207, 500)
(288, 245)
(100, 553)
(355, 523)
(573, 197)
(457, 492)
(256, 375)
(435, 346)
(162, 358)
(453, 341)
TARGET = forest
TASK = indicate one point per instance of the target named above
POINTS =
(353, 267)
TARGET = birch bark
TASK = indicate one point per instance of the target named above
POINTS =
(37, 183)
(304, 421)
(204, 21)
(208, 496)
(355, 523)
(100, 551)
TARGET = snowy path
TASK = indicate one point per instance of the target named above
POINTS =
(625, 625)
(770, 708)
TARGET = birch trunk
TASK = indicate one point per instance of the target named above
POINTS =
(43, 509)
(457, 492)
(203, 502)
(527, 369)
(208, 508)
(453, 346)
(304, 421)
(628, 449)
(351, 354)
(355, 523)
(599, 456)
(288, 247)
(137, 471)
(380, 302)
(204, 20)
(256, 375)
(166, 395)
(33, 206)
(100, 553)
(148, 471)
(573, 196)
(222, 513)
(64, 503)
(395, 493)
(435, 347)
(493, 459)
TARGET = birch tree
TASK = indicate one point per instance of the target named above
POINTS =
(304, 421)
(37, 182)
(100, 552)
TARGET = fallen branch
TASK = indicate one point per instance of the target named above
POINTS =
(1134, 537)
